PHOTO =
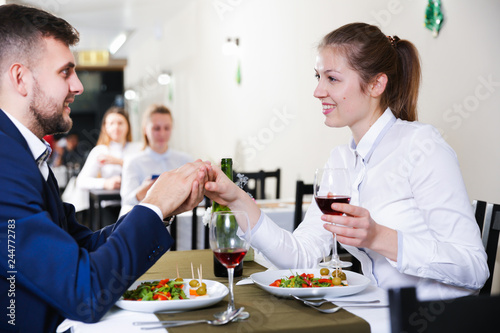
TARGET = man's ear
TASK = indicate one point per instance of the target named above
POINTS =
(378, 85)
(19, 76)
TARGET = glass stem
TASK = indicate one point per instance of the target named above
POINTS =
(335, 255)
(230, 274)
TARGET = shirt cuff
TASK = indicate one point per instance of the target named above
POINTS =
(258, 224)
(154, 208)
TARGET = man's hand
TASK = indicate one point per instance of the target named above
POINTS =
(179, 190)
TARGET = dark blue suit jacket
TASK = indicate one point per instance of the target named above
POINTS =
(51, 267)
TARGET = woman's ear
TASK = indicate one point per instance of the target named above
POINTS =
(378, 86)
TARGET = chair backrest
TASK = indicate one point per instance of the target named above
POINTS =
(256, 185)
(491, 231)
(479, 210)
(465, 314)
(253, 185)
(271, 174)
(301, 189)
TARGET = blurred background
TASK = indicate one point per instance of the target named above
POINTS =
(238, 76)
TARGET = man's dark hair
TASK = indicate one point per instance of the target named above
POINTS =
(22, 29)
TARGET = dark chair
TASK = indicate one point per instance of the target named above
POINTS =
(256, 185)
(194, 226)
(301, 189)
(490, 235)
(173, 232)
(465, 314)
(479, 210)
(271, 174)
(253, 185)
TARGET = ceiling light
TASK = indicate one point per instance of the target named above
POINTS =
(164, 79)
(117, 43)
(130, 94)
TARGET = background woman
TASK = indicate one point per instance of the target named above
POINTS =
(103, 166)
(410, 221)
(139, 172)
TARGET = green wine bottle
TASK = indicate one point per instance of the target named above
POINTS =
(220, 270)
(226, 165)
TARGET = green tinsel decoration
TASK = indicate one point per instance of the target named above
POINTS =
(433, 17)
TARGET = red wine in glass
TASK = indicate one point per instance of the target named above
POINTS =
(325, 203)
(230, 257)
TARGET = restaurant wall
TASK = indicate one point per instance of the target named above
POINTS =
(271, 119)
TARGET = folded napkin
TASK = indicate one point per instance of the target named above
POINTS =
(116, 320)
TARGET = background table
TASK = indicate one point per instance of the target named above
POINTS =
(96, 199)
(280, 211)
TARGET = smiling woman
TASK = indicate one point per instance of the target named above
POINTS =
(410, 225)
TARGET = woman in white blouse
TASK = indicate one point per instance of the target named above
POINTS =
(410, 221)
(103, 166)
(139, 172)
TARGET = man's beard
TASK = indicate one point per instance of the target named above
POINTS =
(48, 114)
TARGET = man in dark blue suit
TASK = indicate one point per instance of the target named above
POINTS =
(51, 267)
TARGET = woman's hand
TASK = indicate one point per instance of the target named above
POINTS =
(222, 190)
(113, 183)
(109, 159)
(362, 230)
(143, 189)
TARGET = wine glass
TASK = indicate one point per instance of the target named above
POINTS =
(229, 245)
(332, 185)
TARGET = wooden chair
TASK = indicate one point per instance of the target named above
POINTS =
(256, 185)
(465, 314)
(301, 189)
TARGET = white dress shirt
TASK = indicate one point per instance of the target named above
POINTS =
(409, 179)
(143, 166)
(93, 174)
(37, 146)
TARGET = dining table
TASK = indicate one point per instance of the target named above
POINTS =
(267, 312)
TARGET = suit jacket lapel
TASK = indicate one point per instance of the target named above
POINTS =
(53, 202)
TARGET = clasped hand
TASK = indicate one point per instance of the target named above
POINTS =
(179, 190)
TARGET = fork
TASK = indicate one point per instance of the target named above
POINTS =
(307, 302)
(332, 310)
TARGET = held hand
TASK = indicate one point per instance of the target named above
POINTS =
(362, 230)
(113, 183)
(143, 189)
(197, 191)
(220, 188)
(109, 159)
(180, 189)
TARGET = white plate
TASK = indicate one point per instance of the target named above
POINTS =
(357, 283)
(215, 293)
